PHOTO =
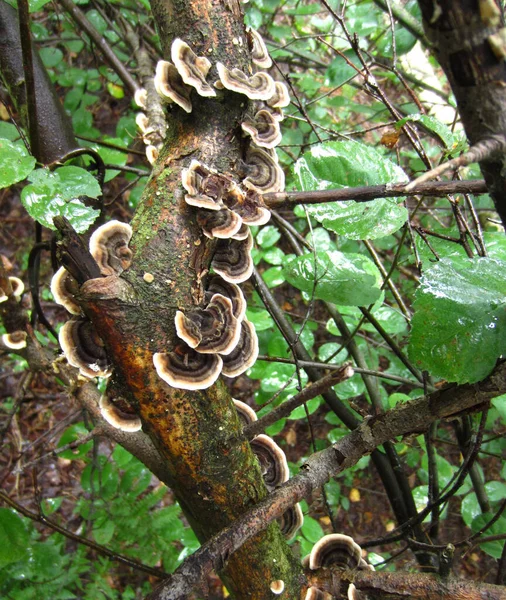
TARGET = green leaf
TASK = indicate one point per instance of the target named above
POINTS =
(15, 163)
(56, 193)
(442, 131)
(51, 56)
(459, 325)
(103, 530)
(349, 279)
(300, 412)
(350, 164)
(312, 530)
(14, 537)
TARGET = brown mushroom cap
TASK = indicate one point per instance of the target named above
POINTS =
(187, 369)
(277, 587)
(232, 259)
(64, 288)
(214, 328)
(281, 96)
(152, 154)
(242, 234)
(246, 414)
(272, 461)
(192, 68)
(259, 86)
(250, 207)
(16, 340)
(195, 181)
(263, 172)
(291, 521)
(109, 247)
(83, 348)
(141, 97)
(313, 593)
(170, 86)
(221, 224)
(217, 285)
(118, 413)
(244, 355)
(335, 549)
(259, 53)
(264, 129)
(18, 287)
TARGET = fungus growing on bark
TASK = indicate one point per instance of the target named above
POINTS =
(264, 129)
(64, 288)
(291, 521)
(15, 340)
(152, 154)
(195, 180)
(170, 86)
(313, 593)
(217, 285)
(242, 234)
(109, 247)
(18, 287)
(210, 330)
(192, 68)
(364, 565)
(83, 348)
(272, 461)
(246, 414)
(142, 121)
(335, 549)
(141, 97)
(281, 96)
(187, 369)
(259, 53)
(118, 413)
(244, 355)
(232, 259)
(259, 86)
(263, 172)
(277, 587)
(222, 224)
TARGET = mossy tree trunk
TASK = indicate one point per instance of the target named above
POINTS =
(214, 474)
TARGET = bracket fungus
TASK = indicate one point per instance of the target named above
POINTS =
(259, 53)
(259, 86)
(272, 459)
(232, 259)
(221, 224)
(246, 414)
(142, 122)
(263, 172)
(250, 207)
(152, 154)
(141, 97)
(187, 369)
(109, 247)
(277, 587)
(17, 286)
(64, 288)
(280, 98)
(217, 285)
(291, 521)
(264, 129)
(170, 86)
(244, 355)
(16, 340)
(313, 593)
(118, 413)
(203, 185)
(192, 68)
(83, 348)
(210, 330)
(335, 549)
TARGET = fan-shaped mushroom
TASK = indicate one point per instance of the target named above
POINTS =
(222, 224)
(170, 87)
(335, 549)
(192, 68)
(250, 207)
(272, 461)
(83, 348)
(291, 521)
(109, 247)
(259, 86)
(259, 53)
(141, 97)
(17, 286)
(16, 340)
(281, 96)
(264, 129)
(142, 121)
(152, 154)
(263, 172)
(246, 414)
(232, 259)
(277, 587)
(313, 593)
(64, 288)
(187, 369)
(210, 330)
(244, 355)
(217, 285)
(118, 413)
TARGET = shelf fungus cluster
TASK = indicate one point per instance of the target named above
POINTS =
(217, 338)
(82, 346)
(14, 340)
(340, 552)
(274, 468)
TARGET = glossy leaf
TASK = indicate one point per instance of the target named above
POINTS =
(15, 163)
(460, 312)
(442, 131)
(350, 164)
(14, 537)
(349, 279)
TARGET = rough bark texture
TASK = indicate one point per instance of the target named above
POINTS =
(467, 40)
(212, 470)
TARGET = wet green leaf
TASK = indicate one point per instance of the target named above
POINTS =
(15, 163)
(14, 537)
